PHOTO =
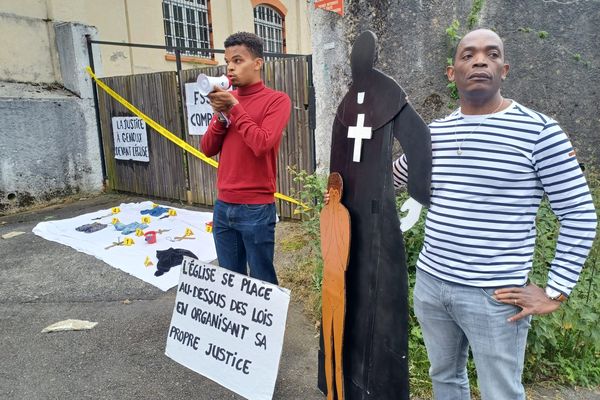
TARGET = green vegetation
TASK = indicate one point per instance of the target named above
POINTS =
(452, 32)
(474, 14)
(563, 347)
(540, 34)
(453, 36)
(543, 34)
(452, 86)
(305, 278)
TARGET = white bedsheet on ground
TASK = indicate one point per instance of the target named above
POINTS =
(131, 258)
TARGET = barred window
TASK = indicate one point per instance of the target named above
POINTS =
(268, 24)
(186, 25)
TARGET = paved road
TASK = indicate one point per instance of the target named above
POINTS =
(42, 282)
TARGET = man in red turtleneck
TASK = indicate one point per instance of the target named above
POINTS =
(246, 131)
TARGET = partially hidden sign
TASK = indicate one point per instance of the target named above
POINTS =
(130, 139)
(199, 111)
(229, 328)
(336, 6)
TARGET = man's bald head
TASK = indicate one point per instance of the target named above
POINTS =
(478, 34)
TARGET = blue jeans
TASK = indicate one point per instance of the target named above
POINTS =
(246, 233)
(454, 317)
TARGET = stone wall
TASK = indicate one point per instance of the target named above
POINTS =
(553, 48)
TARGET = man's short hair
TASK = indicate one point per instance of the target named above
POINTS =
(253, 43)
(455, 46)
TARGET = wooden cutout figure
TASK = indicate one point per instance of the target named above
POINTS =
(374, 112)
(335, 249)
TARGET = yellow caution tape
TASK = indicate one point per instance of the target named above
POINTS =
(166, 133)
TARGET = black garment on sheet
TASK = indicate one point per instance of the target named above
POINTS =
(375, 349)
(170, 258)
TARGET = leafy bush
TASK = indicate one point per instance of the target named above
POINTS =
(313, 187)
(564, 347)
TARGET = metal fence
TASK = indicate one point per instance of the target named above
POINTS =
(174, 174)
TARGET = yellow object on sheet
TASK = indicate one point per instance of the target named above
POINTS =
(148, 262)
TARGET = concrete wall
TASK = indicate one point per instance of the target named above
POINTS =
(35, 61)
(49, 146)
(558, 75)
(26, 26)
(49, 143)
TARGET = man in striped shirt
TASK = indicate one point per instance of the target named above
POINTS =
(493, 160)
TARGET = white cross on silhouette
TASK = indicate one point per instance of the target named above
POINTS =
(358, 133)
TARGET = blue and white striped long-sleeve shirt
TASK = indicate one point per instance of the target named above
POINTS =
(480, 228)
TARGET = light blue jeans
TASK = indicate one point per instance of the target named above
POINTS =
(454, 317)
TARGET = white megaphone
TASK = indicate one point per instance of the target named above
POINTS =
(208, 84)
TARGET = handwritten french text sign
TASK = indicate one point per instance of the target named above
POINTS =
(229, 328)
(130, 138)
(199, 111)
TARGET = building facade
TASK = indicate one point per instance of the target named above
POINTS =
(29, 53)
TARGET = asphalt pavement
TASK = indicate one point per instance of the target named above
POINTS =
(43, 282)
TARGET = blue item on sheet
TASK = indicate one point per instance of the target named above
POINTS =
(129, 228)
(155, 212)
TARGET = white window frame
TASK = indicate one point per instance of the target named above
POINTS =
(186, 24)
(269, 25)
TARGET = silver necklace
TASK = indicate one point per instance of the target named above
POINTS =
(459, 145)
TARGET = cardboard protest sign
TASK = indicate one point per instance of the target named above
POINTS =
(228, 327)
(130, 139)
(199, 111)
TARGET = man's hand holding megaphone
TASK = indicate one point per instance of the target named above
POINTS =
(216, 89)
(221, 100)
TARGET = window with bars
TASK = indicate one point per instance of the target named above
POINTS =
(268, 24)
(186, 25)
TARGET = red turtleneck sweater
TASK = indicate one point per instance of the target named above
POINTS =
(248, 160)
